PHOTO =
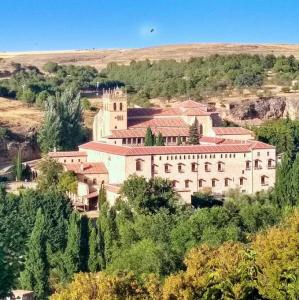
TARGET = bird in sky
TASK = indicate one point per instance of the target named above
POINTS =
(152, 30)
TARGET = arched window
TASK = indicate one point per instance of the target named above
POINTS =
(214, 182)
(167, 168)
(200, 182)
(220, 166)
(187, 183)
(257, 164)
(242, 180)
(121, 106)
(138, 165)
(194, 167)
(248, 164)
(114, 106)
(271, 164)
(264, 180)
(181, 168)
(207, 167)
(226, 181)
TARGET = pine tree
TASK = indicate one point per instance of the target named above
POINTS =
(71, 255)
(94, 255)
(179, 142)
(149, 137)
(193, 133)
(160, 140)
(35, 274)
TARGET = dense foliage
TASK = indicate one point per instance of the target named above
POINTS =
(266, 269)
(143, 80)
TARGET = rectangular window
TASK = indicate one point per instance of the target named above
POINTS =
(186, 183)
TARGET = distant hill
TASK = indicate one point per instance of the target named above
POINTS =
(100, 58)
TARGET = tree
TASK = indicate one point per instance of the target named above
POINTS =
(160, 140)
(94, 260)
(68, 182)
(50, 172)
(85, 103)
(149, 196)
(193, 133)
(149, 137)
(50, 67)
(71, 255)
(63, 127)
(35, 274)
(283, 189)
(295, 179)
(179, 142)
(18, 168)
(102, 198)
(6, 275)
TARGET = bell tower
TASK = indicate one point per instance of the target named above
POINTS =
(115, 105)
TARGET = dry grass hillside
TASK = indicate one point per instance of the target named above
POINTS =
(100, 58)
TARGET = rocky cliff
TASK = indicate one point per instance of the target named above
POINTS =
(10, 145)
(262, 108)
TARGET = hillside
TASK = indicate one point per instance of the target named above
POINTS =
(100, 58)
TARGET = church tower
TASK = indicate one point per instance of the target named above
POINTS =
(113, 114)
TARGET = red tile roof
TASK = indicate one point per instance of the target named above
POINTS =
(231, 131)
(160, 150)
(211, 140)
(87, 168)
(157, 122)
(191, 104)
(260, 145)
(67, 154)
(180, 110)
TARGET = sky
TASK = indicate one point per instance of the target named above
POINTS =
(106, 24)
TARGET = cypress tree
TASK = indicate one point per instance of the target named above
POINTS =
(107, 225)
(18, 166)
(149, 137)
(160, 141)
(102, 196)
(283, 184)
(295, 179)
(71, 255)
(93, 258)
(84, 244)
(179, 142)
(6, 276)
(193, 133)
(35, 274)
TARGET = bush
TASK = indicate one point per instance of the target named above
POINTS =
(85, 103)
(50, 67)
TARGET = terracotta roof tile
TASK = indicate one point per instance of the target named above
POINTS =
(159, 150)
(67, 154)
(211, 140)
(87, 168)
(157, 122)
(231, 131)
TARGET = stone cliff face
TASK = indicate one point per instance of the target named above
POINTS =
(10, 146)
(263, 108)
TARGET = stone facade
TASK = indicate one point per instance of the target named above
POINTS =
(226, 157)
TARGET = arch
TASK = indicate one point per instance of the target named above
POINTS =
(207, 167)
(220, 166)
(120, 106)
(264, 180)
(138, 164)
(226, 181)
(114, 106)
(194, 167)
